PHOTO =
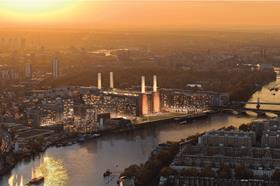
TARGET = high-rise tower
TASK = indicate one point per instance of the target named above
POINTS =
(99, 81)
(55, 67)
(111, 80)
(28, 70)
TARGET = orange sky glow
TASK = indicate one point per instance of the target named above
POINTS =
(98, 14)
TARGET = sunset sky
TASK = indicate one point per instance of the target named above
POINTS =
(99, 14)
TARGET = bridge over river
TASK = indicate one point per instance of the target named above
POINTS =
(258, 107)
(266, 100)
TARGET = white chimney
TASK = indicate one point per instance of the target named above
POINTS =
(111, 80)
(154, 83)
(143, 89)
(99, 81)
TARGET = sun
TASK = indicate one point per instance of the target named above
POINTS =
(34, 7)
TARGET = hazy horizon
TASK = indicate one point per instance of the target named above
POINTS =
(140, 15)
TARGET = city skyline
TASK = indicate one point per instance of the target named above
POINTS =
(139, 92)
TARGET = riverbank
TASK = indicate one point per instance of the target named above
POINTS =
(126, 148)
(67, 140)
(188, 118)
(161, 157)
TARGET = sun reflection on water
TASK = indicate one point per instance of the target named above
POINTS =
(50, 168)
(53, 171)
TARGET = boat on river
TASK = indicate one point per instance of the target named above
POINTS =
(183, 122)
(107, 173)
(36, 181)
(81, 139)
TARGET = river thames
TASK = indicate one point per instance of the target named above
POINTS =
(84, 164)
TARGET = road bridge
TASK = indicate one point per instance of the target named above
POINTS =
(258, 103)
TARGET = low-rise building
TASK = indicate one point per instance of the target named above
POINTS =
(228, 138)
(223, 149)
(271, 134)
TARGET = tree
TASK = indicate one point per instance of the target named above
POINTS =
(241, 172)
(36, 145)
(167, 171)
(224, 172)
(276, 175)
(147, 173)
(207, 172)
(189, 172)
(230, 128)
(244, 127)
(132, 170)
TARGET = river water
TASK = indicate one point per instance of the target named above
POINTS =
(84, 164)
(267, 95)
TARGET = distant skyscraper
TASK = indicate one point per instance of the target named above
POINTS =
(55, 67)
(263, 53)
(111, 80)
(99, 81)
(28, 70)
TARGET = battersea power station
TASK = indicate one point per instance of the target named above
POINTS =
(146, 101)
(122, 103)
